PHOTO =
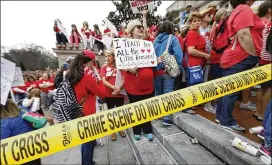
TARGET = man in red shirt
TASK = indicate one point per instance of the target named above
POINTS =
(245, 30)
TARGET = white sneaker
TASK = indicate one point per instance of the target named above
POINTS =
(248, 106)
(208, 107)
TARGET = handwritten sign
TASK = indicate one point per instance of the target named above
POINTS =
(138, 6)
(131, 53)
(18, 78)
(7, 75)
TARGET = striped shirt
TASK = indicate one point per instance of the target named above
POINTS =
(266, 56)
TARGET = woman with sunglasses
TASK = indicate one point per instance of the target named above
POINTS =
(87, 85)
(138, 82)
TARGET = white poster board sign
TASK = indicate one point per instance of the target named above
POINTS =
(107, 40)
(138, 6)
(18, 78)
(118, 82)
(109, 25)
(131, 53)
(7, 75)
(62, 28)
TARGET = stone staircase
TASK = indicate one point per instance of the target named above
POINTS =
(63, 54)
(171, 145)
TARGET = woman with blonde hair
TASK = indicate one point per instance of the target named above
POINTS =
(114, 98)
(87, 35)
(12, 124)
(138, 82)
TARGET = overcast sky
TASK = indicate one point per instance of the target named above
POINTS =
(25, 22)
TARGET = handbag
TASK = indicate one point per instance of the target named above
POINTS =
(169, 61)
(195, 75)
(37, 120)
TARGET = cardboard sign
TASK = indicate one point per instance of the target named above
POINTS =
(18, 78)
(107, 40)
(62, 29)
(109, 25)
(7, 75)
(138, 6)
(131, 53)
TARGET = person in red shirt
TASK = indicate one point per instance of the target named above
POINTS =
(87, 85)
(152, 33)
(98, 36)
(107, 31)
(138, 82)
(87, 36)
(60, 37)
(245, 30)
(108, 74)
(46, 84)
(264, 94)
(122, 33)
(75, 37)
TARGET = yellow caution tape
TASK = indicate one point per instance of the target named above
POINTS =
(43, 142)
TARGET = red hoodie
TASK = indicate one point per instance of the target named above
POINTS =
(89, 86)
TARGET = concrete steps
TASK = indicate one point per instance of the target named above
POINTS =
(215, 139)
(180, 147)
(150, 153)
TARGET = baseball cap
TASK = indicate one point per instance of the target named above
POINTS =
(89, 54)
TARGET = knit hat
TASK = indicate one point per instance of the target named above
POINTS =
(132, 24)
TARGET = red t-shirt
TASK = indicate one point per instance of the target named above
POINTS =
(215, 57)
(33, 84)
(107, 31)
(46, 90)
(23, 87)
(120, 33)
(57, 29)
(89, 33)
(193, 38)
(180, 39)
(242, 17)
(150, 39)
(89, 87)
(109, 72)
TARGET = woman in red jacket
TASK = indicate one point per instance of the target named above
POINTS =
(138, 82)
(87, 85)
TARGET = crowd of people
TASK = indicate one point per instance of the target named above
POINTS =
(228, 41)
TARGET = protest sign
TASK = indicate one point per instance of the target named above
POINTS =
(109, 25)
(18, 78)
(131, 53)
(62, 28)
(107, 40)
(139, 6)
(7, 75)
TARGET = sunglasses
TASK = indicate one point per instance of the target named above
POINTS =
(139, 26)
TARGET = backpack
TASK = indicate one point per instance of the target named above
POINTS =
(66, 106)
(220, 40)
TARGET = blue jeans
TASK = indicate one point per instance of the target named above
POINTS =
(164, 84)
(87, 152)
(216, 71)
(268, 128)
(226, 104)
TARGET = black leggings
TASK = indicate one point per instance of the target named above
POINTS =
(114, 102)
(61, 38)
(146, 127)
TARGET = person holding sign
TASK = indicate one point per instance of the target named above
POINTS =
(163, 82)
(114, 98)
(138, 82)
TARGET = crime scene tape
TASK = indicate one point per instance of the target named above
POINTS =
(43, 142)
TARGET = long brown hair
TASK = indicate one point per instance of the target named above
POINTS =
(35, 92)
(76, 69)
(75, 31)
(10, 110)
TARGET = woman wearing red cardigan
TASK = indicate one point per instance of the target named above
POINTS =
(87, 85)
